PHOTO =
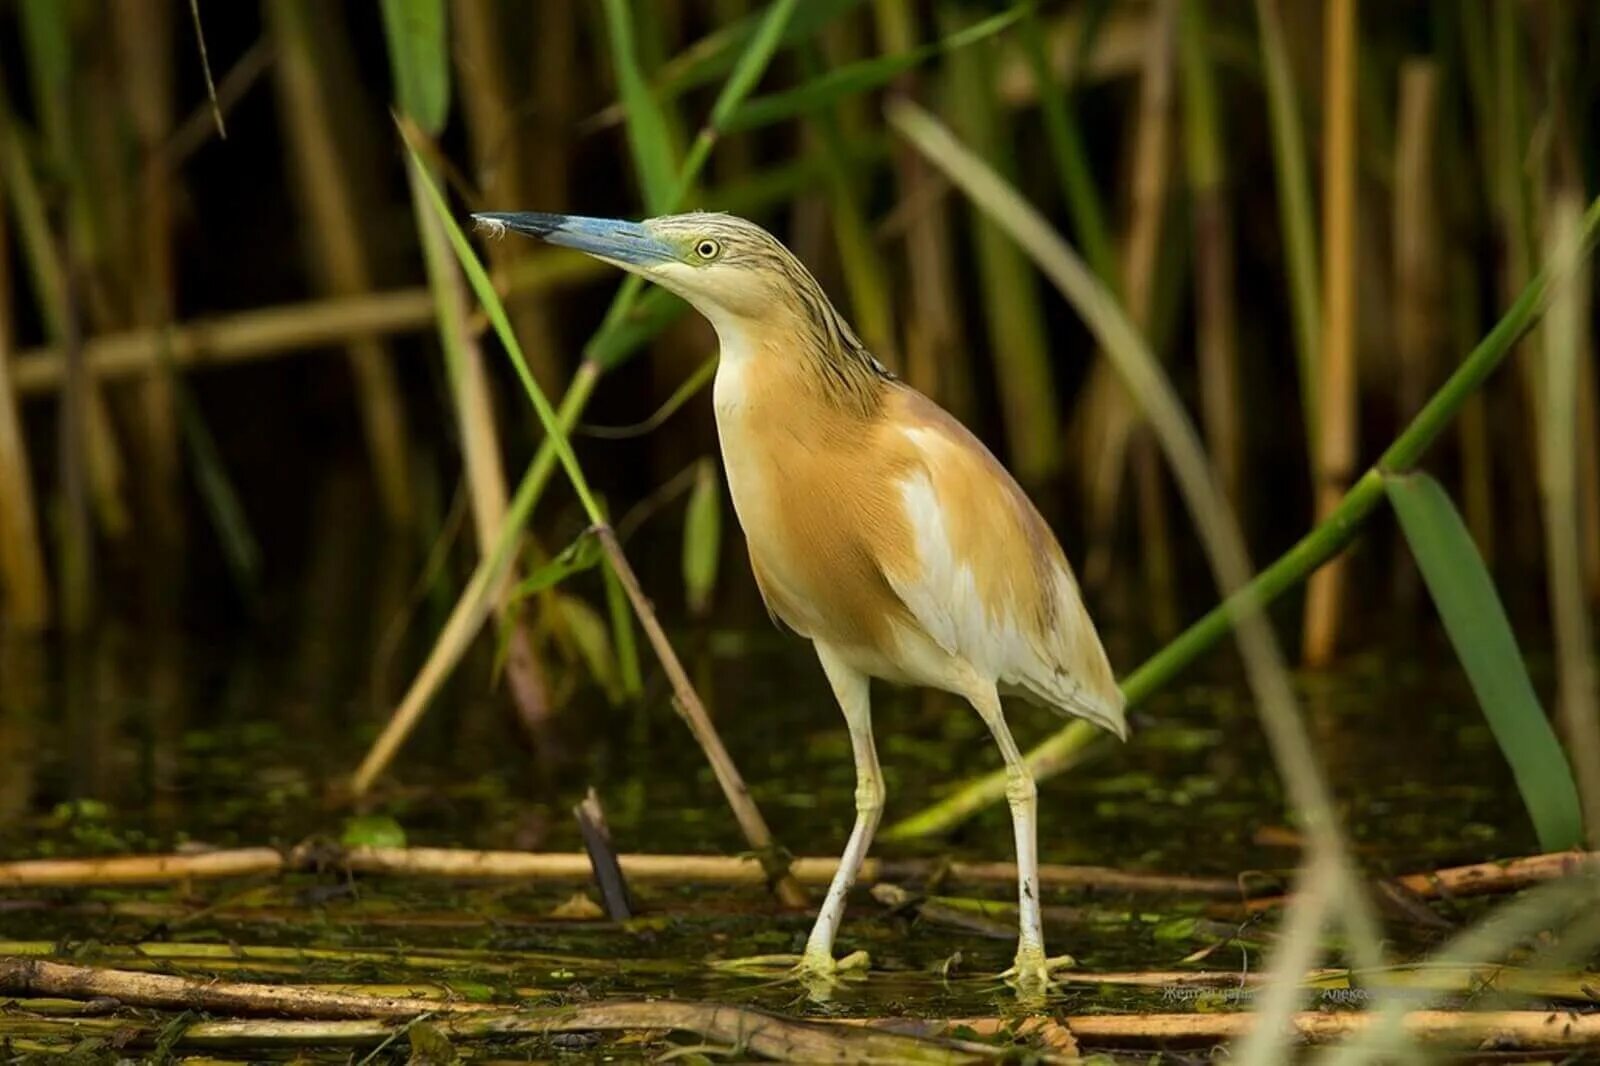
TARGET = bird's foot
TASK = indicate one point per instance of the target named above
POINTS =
(1032, 973)
(810, 969)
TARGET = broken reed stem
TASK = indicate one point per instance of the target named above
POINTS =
(338, 256)
(465, 864)
(687, 702)
(1335, 454)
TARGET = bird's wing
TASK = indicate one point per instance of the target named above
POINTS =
(990, 583)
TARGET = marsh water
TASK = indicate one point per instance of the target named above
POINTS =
(232, 735)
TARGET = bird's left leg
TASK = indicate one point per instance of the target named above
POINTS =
(1032, 969)
(851, 689)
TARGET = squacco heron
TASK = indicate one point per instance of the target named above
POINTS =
(879, 528)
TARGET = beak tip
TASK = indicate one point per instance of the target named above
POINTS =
(532, 223)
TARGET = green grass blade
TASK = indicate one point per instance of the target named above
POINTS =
(648, 137)
(1476, 622)
(484, 289)
(419, 53)
(860, 77)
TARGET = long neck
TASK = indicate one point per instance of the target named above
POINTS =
(813, 344)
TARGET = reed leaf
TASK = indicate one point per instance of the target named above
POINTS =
(419, 54)
(702, 536)
(1464, 594)
(864, 76)
(587, 630)
(719, 51)
(582, 554)
(648, 136)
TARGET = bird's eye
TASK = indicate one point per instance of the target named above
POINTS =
(707, 249)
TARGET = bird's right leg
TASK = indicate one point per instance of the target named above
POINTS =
(851, 689)
(817, 969)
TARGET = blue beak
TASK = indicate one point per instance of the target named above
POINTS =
(604, 238)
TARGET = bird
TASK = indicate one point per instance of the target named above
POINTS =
(878, 526)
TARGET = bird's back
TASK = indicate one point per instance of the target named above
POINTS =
(991, 583)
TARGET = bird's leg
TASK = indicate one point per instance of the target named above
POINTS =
(817, 967)
(850, 688)
(1031, 971)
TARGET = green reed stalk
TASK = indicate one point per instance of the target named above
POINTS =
(1294, 208)
(1064, 136)
(1215, 295)
(1013, 310)
(1322, 543)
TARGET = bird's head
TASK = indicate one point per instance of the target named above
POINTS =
(729, 268)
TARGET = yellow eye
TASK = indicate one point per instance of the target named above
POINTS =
(707, 248)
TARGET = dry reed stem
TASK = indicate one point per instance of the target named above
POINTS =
(40, 977)
(322, 1017)
(332, 227)
(1501, 1030)
(687, 702)
(1335, 459)
(1566, 338)
(270, 331)
(142, 34)
(1477, 879)
(466, 864)
(1109, 414)
(480, 452)
(492, 112)
(141, 869)
(1216, 346)
(24, 582)
(862, 1040)
(1416, 251)
(936, 363)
